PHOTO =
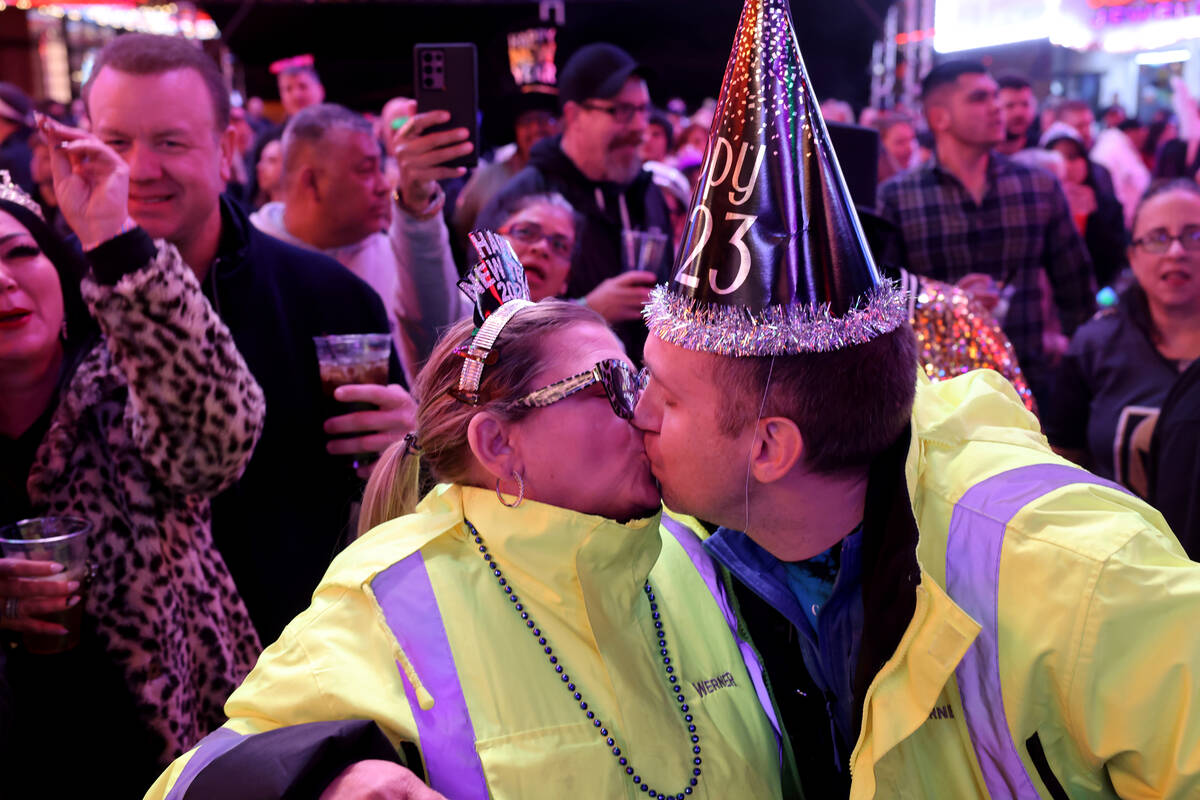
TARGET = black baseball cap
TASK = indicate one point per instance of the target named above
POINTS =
(597, 71)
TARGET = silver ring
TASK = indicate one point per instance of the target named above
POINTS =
(11, 608)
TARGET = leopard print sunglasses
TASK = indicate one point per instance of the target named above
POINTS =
(622, 384)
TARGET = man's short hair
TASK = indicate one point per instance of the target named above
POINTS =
(1073, 104)
(1013, 81)
(890, 119)
(947, 74)
(147, 54)
(305, 69)
(661, 121)
(309, 127)
(849, 404)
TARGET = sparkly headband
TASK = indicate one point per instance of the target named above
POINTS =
(479, 352)
(498, 289)
(775, 330)
(15, 194)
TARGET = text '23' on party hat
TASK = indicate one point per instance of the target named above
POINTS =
(774, 261)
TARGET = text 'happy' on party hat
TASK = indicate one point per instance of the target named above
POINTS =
(773, 260)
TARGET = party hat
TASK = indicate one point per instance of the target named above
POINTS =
(498, 289)
(498, 277)
(774, 260)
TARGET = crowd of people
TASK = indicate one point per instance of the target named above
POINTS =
(882, 488)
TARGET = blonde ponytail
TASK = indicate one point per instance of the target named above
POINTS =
(442, 420)
(392, 490)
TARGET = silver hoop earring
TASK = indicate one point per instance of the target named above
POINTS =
(520, 490)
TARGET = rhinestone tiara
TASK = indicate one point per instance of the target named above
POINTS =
(12, 193)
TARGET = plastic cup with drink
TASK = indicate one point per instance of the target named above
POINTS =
(352, 359)
(63, 540)
(642, 250)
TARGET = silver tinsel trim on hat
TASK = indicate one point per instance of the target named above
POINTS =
(776, 330)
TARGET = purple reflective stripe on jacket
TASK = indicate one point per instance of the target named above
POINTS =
(973, 549)
(447, 737)
(704, 565)
(211, 747)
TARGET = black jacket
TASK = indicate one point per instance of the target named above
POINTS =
(1105, 231)
(597, 254)
(282, 523)
(1175, 460)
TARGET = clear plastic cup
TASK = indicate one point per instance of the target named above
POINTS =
(61, 539)
(350, 359)
(353, 358)
(642, 250)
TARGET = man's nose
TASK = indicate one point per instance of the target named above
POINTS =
(645, 417)
(144, 164)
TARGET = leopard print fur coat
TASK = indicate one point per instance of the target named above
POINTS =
(158, 417)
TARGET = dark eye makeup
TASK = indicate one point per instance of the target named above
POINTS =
(23, 250)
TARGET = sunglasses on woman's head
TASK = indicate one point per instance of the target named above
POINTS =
(622, 384)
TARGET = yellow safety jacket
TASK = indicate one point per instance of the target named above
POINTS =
(1055, 647)
(411, 628)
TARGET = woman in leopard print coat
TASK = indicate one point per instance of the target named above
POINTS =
(150, 416)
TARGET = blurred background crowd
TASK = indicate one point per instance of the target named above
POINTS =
(1037, 196)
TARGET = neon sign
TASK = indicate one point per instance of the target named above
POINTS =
(1120, 12)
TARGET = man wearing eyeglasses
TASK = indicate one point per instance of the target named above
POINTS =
(596, 165)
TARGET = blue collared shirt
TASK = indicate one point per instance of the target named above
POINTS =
(829, 635)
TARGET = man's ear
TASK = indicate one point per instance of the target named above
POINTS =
(307, 183)
(490, 440)
(227, 145)
(777, 448)
(569, 113)
(938, 117)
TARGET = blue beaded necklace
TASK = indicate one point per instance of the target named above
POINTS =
(565, 678)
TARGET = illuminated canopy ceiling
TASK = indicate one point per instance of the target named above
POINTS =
(1116, 26)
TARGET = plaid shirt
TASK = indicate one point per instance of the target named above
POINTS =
(1022, 226)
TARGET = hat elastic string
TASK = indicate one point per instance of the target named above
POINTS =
(750, 456)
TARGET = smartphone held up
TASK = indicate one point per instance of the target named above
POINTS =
(446, 77)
